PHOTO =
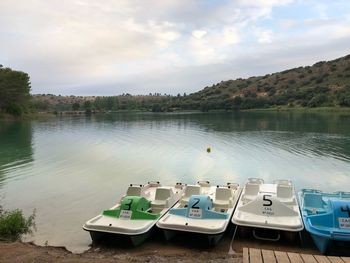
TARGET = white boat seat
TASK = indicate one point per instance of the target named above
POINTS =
(255, 180)
(283, 182)
(251, 191)
(189, 191)
(134, 190)
(223, 197)
(285, 193)
(162, 198)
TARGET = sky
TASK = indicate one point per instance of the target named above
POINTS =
(110, 47)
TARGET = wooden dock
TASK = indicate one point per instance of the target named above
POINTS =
(254, 255)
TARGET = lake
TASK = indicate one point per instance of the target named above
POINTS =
(71, 168)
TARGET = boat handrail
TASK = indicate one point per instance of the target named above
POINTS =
(154, 183)
(232, 185)
(203, 183)
(138, 185)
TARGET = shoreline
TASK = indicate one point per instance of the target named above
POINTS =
(153, 250)
(18, 251)
(49, 114)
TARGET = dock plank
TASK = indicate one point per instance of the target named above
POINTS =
(245, 255)
(255, 255)
(282, 257)
(335, 259)
(268, 256)
(308, 258)
(322, 259)
(295, 257)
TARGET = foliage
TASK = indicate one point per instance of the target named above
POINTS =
(13, 224)
(14, 91)
(88, 107)
(14, 109)
(75, 106)
(40, 105)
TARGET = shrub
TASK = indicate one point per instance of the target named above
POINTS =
(317, 100)
(75, 106)
(13, 224)
(319, 80)
(14, 110)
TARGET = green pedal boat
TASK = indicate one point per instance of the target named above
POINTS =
(136, 213)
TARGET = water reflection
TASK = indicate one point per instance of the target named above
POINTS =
(321, 133)
(15, 146)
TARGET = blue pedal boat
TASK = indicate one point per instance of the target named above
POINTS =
(326, 216)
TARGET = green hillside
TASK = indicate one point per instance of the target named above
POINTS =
(322, 84)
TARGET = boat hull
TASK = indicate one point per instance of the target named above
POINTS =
(209, 240)
(120, 239)
(322, 243)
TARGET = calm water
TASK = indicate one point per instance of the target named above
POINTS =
(71, 168)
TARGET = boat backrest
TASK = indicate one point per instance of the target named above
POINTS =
(163, 193)
(223, 193)
(283, 182)
(134, 190)
(313, 200)
(284, 191)
(255, 180)
(192, 190)
(252, 189)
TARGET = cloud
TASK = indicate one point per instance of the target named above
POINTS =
(113, 47)
(199, 33)
(264, 36)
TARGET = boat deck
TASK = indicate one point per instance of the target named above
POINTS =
(254, 255)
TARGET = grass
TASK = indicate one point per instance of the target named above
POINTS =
(13, 224)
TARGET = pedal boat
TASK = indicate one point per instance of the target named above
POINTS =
(136, 213)
(268, 206)
(326, 217)
(203, 209)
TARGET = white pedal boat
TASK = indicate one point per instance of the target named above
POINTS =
(136, 213)
(203, 209)
(269, 206)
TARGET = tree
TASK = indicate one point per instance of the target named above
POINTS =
(75, 106)
(317, 100)
(237, 101)
(14, 90)
(88, 107)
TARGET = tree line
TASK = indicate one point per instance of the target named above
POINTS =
(324, 84)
